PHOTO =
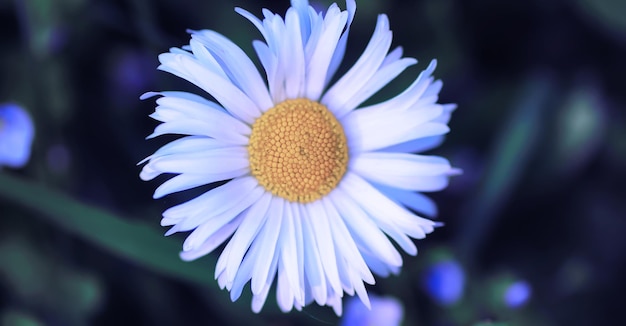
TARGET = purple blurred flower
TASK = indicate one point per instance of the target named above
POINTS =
(58, 158)
(517, 294)
(130, 73)
(386, 311)
(444, 282)
(16, 135)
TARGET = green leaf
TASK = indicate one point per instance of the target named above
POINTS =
(132, 240)
(580, 130)
(135, 241)
(609, 13)
(488, 323)
(70, 293)
(18, 318)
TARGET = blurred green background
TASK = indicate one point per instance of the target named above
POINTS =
(540, 133)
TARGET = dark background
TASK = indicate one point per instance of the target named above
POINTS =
(539, 132)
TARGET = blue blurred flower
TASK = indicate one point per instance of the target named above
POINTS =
(517, 294)
(307, 199)
(16, 135)
(385, 311)
(444, 282)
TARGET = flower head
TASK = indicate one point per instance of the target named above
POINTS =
(16, 136)
(316, 183)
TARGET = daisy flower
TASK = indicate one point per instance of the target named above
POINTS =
(317, 186)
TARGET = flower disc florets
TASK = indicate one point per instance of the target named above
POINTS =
(298, 150)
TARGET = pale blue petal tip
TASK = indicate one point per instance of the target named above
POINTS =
(16, 135)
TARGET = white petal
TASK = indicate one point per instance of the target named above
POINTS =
(186, 96)
(413, 200)
(392, 56)
(267, 241)
(336, 98)
(409, 97)
(297, 219)
(315, 29)
(382, 208)
(244, 274)
(322, 233)
(416, 145)
(359, 288)
(447, 112)
(284, 293)
(237, 65)
(302, 8)
(269, 61)
(233, 254)
(223, 90)
(398, 164)
(289, 254)
(265, 53)
(215, 201)
(187, 126)
(341, 47)
(368, 130)
(259, 300)
(365, 232)
(186, 144)
(378, 266)
(277, 39)
(344, 275)
(344, 243)
(322, 53)
(433, 90)
(295, 79)
(253, 19)
(388, 224)
(148, 173)
(211, 223)
(208, 112)
(424, 183)
(187, 181)
(218, 160)
(221, 280)
(258, 261)
(313, 269)
(213, 241)
(380, 79)
(334, 300)
(203, 54)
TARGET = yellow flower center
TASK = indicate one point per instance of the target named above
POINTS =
(298, 150)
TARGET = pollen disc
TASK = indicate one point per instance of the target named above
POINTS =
(298, 150)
